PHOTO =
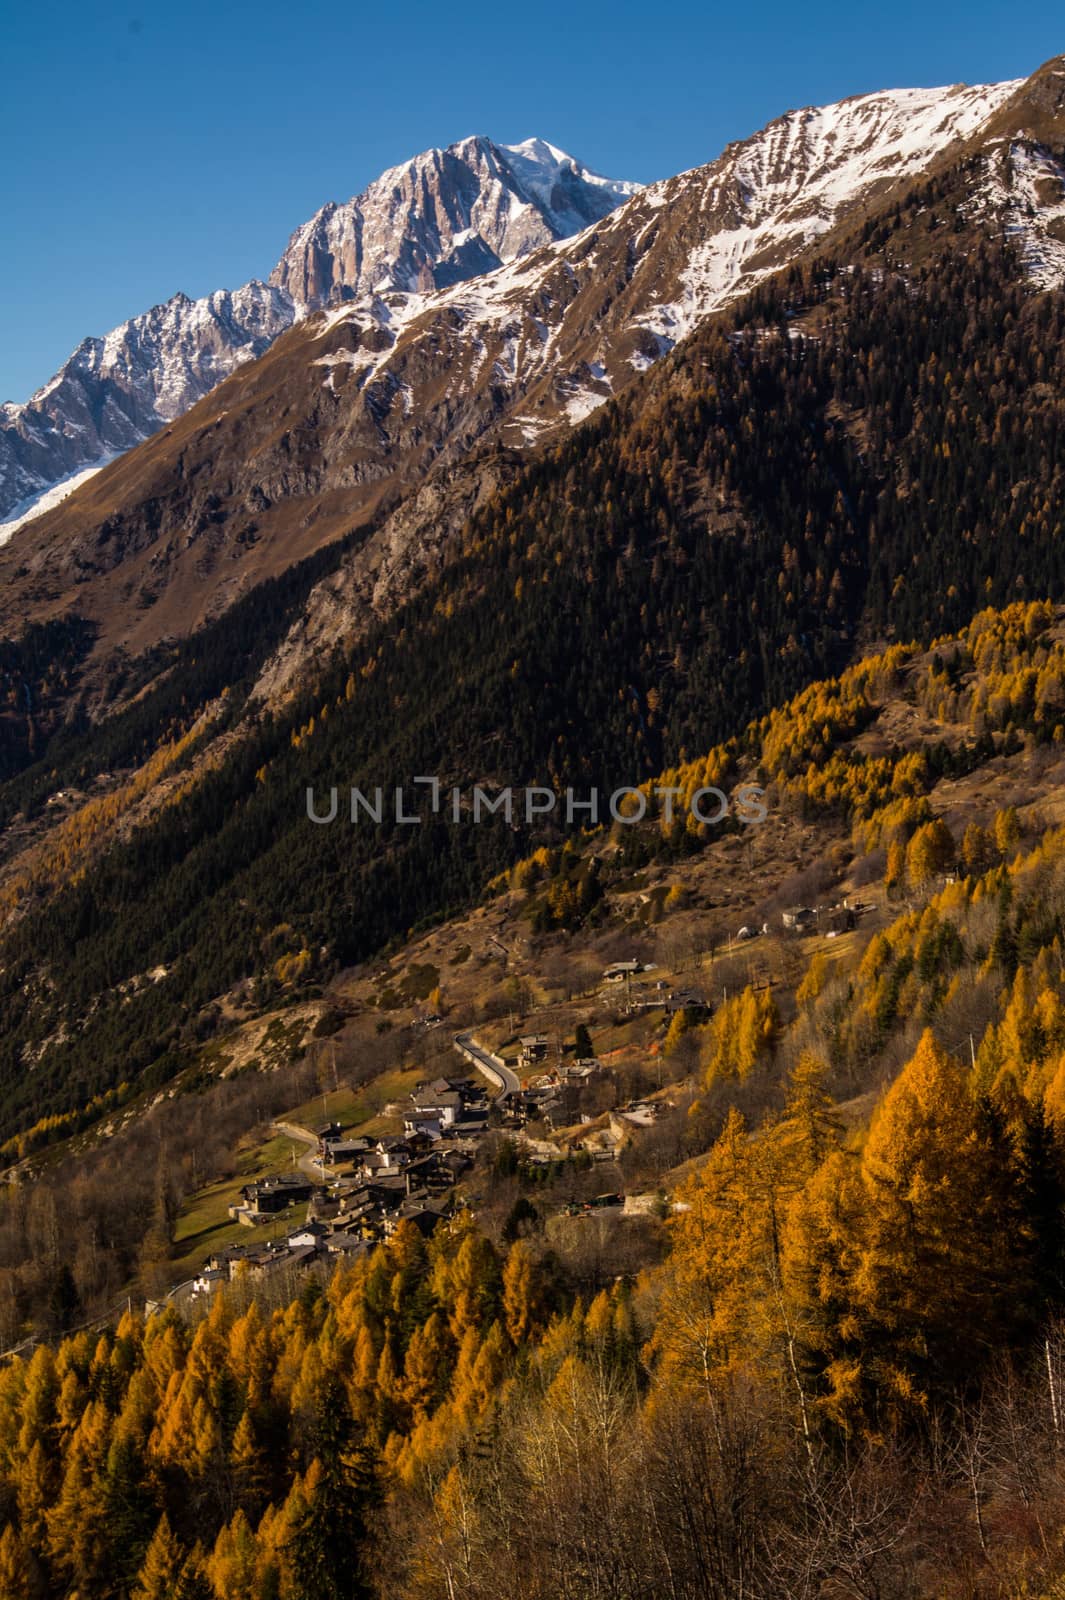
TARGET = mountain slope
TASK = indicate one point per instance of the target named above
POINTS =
(445, 215)
(821, 465)
(357, 408)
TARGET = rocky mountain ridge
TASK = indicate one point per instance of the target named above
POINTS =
(443, 216)
(378, 412)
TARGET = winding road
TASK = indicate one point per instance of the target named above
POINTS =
(310, 1164)
(491, 1065)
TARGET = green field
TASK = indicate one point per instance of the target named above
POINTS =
(204, 1224)
(359, 1110)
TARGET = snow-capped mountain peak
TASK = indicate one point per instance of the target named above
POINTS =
(115, 391)
(524, 288)
(442, 217)
(542, 168)
(408, 394)
(436, 220)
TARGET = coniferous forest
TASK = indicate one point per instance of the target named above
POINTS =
(645, 589)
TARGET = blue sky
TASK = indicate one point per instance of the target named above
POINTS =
(176, 147)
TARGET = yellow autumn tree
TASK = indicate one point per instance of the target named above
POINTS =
(895, 870)
(977, 849)
(743, 1029)
(522, 1293)
(453, 1559)
(929, 853)
(162, 1566)
(943, 1254)
(810, 1127)
(425, 1366)
(678, 1027)
(823, 1246)
(231, 1566)
(722, 1248)
(20, 1578)
(1007, 831)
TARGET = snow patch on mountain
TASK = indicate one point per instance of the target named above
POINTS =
(35, 505)
(781, 190)
(1026, 186)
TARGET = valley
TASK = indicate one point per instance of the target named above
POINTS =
(448, 1187)
(729, 1008)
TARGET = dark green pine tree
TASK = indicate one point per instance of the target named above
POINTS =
(131, 1514)
(1044, 1200)
(64, 1302)
(342, 1491)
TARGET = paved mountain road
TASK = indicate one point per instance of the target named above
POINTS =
(493, 1067)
